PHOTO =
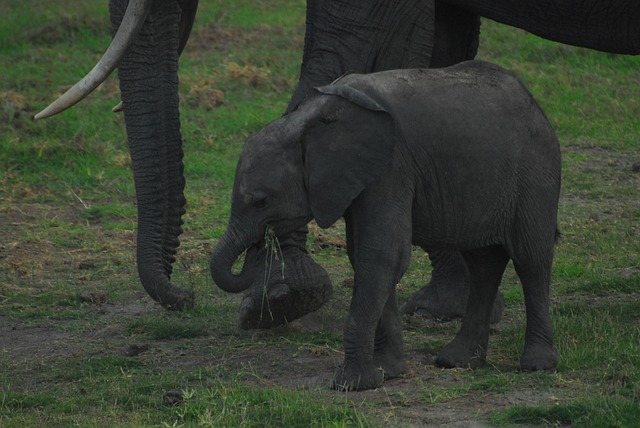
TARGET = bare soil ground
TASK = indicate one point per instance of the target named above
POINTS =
(265, 358)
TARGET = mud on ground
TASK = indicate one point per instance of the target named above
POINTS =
(98, 325)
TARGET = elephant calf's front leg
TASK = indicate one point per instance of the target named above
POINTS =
(388, 351)
(373, 335)
(360, 371)
(371, 347)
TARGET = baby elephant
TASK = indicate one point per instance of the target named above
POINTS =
(459, 158)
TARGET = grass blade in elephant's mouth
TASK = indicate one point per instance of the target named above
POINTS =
(238, 264)
(273, 253)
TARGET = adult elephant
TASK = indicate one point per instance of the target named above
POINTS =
(341, 36)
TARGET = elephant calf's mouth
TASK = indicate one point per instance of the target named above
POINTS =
(269, 250)
(285, 227)
(273, 252)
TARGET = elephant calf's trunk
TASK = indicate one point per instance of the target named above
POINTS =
(224, 256)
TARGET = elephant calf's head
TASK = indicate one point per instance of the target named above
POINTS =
(269, 188)
(308, 164)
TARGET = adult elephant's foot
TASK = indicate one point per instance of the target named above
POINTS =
(445, 297)
(392, 366)
(288, 286)
(357, 377)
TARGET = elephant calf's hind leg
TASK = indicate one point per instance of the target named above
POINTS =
(539, 353)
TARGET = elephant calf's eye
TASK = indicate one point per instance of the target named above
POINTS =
(259, 199)
(259, 203)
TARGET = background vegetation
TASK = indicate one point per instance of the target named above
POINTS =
(81, 344)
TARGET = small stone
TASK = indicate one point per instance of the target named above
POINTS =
(348, 282)
(93, 297)
(135, 350)
(172, 397)
(86, 265)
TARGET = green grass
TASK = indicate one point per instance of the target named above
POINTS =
(247, 406)
(103, 391)
(71, 305)
(573, 86)
(580, 413)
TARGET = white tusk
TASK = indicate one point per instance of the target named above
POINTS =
(118, 108)
(132, 22)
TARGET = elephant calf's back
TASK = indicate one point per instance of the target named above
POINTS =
(483, 148)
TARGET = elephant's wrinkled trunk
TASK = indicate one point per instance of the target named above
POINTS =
(149, 89)
(224, 256)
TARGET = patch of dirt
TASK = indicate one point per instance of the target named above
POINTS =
(249, 75)
(15, 109)
(21, 256)
(601, 160)
(268, 363)
(205, 94)
(67, 27)
(27, 251)
(333, 237)
(219, 37)
(21, 343)
(12, 103)
(272, 358)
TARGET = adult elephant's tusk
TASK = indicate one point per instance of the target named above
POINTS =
(132, 22)
(118, 108)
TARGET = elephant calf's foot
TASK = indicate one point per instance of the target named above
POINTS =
(445, 302)
(539, 356)
(462, 354)
(291, 290)
(357, 377)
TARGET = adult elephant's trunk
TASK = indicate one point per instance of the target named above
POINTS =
(229, 248)
(149, 36)
(149, 88)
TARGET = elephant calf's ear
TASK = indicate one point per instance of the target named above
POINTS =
(349, 93)
(344, 154)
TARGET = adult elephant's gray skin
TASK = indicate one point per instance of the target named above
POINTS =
(341, 36)
(459, 158)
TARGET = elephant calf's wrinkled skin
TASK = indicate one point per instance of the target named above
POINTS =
(459, 158)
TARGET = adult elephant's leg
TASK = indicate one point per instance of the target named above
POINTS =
(456, 35)
(445, 297)
(345, 36)
(291, 284)
(153, 130)
(469, 348)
